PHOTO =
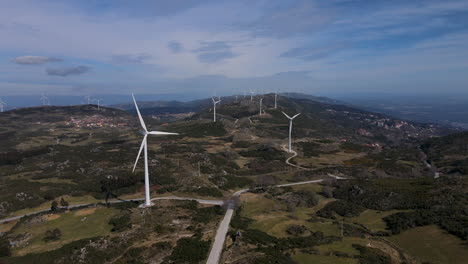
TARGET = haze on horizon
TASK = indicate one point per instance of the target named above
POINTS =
(202, 46)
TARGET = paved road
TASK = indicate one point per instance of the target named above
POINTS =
(221, 233)
(202, 201)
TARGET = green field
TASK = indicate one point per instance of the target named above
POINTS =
(373, 219)
(303, 258)
(74, 225)
(431, 244)
(272, 217)
(345, 245)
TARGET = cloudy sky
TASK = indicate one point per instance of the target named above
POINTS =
(207, 46)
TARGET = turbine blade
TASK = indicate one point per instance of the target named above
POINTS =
(161, 133)
(139, 152)
(286, 115)
(295, 116)
(139, 115)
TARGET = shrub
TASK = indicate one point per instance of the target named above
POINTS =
(52, 235)
(54, 206)
(120, 222)
(190, 250)
(296, 230)
(371, 255)
(5, 250)
(208, 191)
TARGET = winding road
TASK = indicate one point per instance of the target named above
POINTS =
(221, 233)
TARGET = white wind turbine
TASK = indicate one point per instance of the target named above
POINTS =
(45, 100)
(2, 104)
(144, 145)
(290, 128)
(261, 100)
(88, 98)
(214, 107)
(98, 103)
(276, 96)
(252, 92)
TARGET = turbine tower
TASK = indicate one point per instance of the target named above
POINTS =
(2, 104)
(214, 107)
(144, 145)
(252, 92)
(290, 128)
(276, 96)
(98, 103)
(261, 100)
(88, 98)
(45, 100)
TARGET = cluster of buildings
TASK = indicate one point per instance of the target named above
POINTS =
(93, 121)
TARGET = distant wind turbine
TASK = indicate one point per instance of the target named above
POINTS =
(252, 92)
(214, 107)
(98, 103)
(261, 100)
(276, 96)
(45, 100)
(144, 145)
(290, 128)
(2, 104)
(88, 98)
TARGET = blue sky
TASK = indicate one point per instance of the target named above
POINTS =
(207, 46)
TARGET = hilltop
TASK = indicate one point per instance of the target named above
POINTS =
(83, 156)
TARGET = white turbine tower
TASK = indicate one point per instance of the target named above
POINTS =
(290, 127)
(45, 100)
(2, 104)
(214, 107)
(276, 96)
(261, 100)
(144, 145)
(98, 103)
(88, 98)
(252, 92)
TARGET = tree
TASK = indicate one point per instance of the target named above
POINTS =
(52, 235)
(4, 247)
(54, 206)
(327, 192)
(63, 202)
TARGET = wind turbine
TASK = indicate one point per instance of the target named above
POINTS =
(290, 127)
(88, 98)
(98, 103)
(214, 107)
(144, 145)
(261, 100)
(45, 100)
(252, 92)
(2, 104)
(276, 96)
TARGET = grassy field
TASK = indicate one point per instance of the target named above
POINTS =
(373, 219)
(345, 245)
(431, 244)
(74, 225)
(303, 258)
(70, 199)
(271, 216)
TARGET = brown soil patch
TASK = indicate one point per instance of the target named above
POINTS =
(50, 217)
(86, 211)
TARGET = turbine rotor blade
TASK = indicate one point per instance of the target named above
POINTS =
(286, 115)
(295, 116)
(139, 115)
(161, 133)
(139, 152)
